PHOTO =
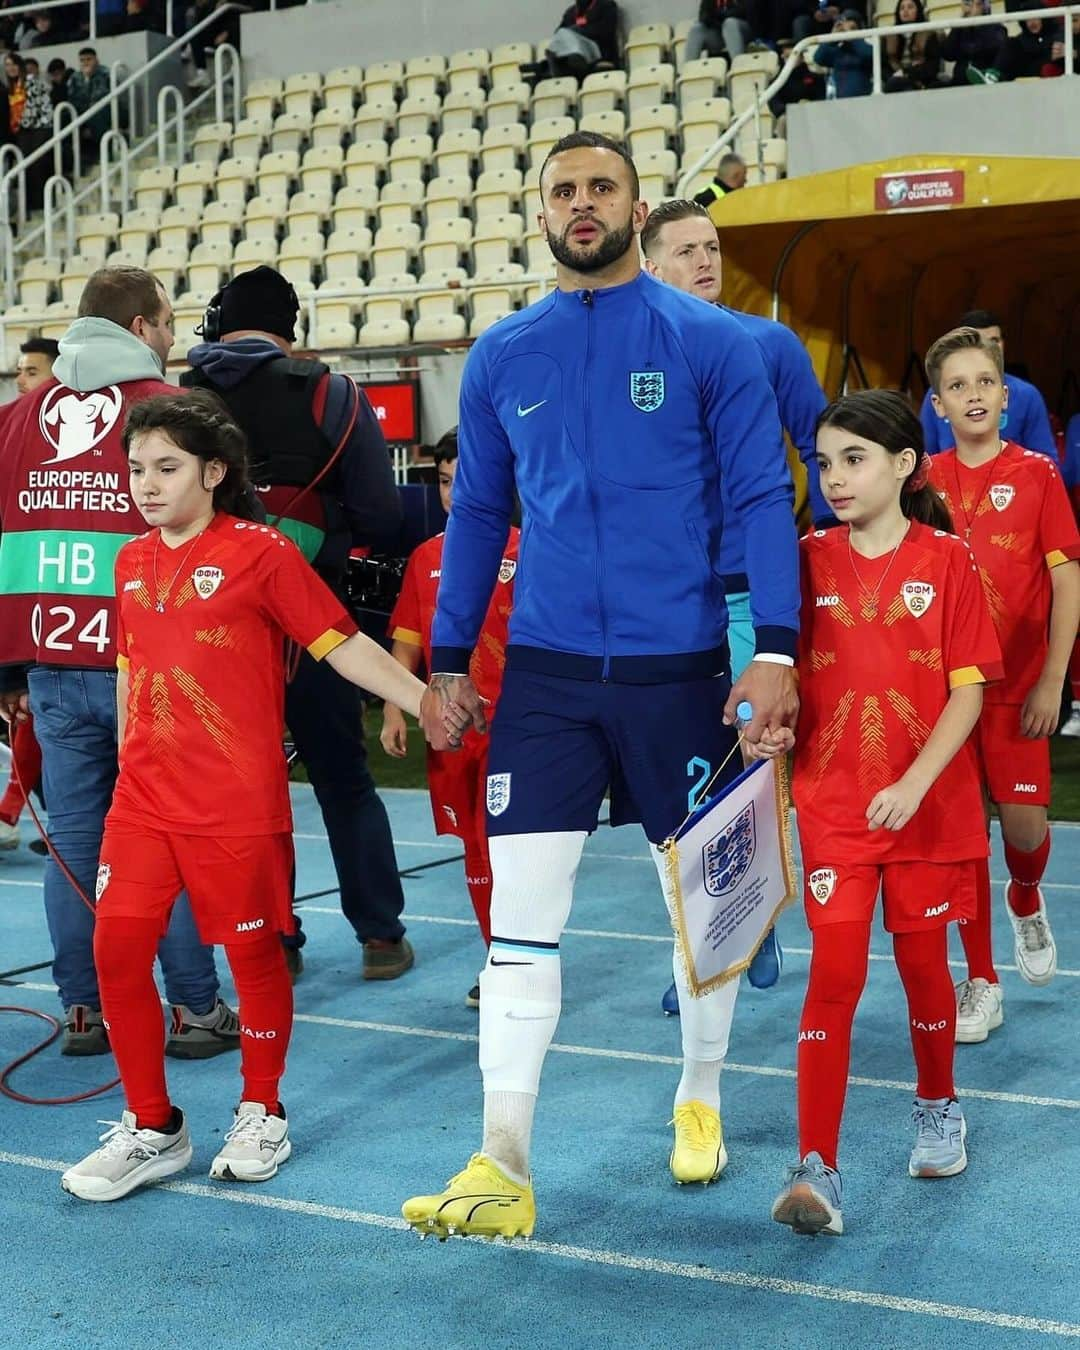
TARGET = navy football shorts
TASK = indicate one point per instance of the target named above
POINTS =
(558, 744)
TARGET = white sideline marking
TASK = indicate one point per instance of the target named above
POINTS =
(619, 1260)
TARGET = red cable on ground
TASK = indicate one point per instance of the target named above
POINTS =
(54, 1022)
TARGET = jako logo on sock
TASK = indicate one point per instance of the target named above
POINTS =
(259, 1035)
(813, 1036)
(928, 1026)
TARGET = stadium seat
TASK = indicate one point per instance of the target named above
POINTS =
(652, 128)
(206, 268)
(298, 257)
(447, 196)
(466, 69)
(365, 163)
(338, 301)
(57, 318)
(537, 291)
(647, 44)
(188, 312)
(330, 127)
(494, 239)
(194, 184)
(442, 291)
(138, 230)
(555, 97)
(495, 298)
(611, 124)
(176, 226)
(401, 203)
(455, 153)
(250, 253)
(153, 187)
(758, 128)
(602, 91)
(384, 333)
(424, 76)
(39, 278)
(302, 92)
(757, 177)
(678, 41)
(347, 252)
(125, 257)
(251, 137)
(497, 192)
(169, 265)
(439, 328)
(21, 323)
(321, 168)
(543, 134)
(463, 110)
(382, 81)
(419, 115)
(262, 98)
(74, 276)
(445, 243)
(394, 249)
(703, 78)
(334, 335)
(505, 104)
(354, 208)
(750, 75)
(503, 147)
(211, 141)
(409, 157)
(95, 234)
(341, 87)
(703, 124)
(648, 86)
(290, 131)
(264, 217)
(221, 222)
(537, 255)
(236, 175)
(374, 122)
(506, 63)
(308, 212)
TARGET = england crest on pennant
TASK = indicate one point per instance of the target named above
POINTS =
(1001, 494)
(206, 580)
(498, 793)
(822, 883)
(726, 857)
(918, 596)
(647, 389)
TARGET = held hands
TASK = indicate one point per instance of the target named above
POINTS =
(450, 706)
(1041, 710)
(772, 692)
(894, 805)
(15, 706)
(394, 735)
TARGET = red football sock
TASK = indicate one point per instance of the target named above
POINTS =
(265, 995)
(478, 880)
(923, 962)
(837, 975)
(975, 934)
(1026, 871)
(26, 760)
(124, 953)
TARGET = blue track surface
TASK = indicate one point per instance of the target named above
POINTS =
(384, 1099)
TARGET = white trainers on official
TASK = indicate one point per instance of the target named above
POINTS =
(9, 836)
(128, 1158)
(1072, 725)
(255, 1147)
(979, 1010)
(1036, 951)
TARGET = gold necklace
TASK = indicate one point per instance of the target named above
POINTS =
(160, 604)
(871, 604)
(969, 517)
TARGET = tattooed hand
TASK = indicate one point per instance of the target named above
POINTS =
(450, 705)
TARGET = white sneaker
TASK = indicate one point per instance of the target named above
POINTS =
(199, 80)
(1036, 951)
(255, 1147)
(128, 1159)
(9, 836)
(979, 1010)
(1071, 727)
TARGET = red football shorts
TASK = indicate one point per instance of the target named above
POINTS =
(457, 781)
(915, 895)
(239, 887)
(1015, 768)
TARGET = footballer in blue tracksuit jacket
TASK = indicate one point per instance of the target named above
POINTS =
(633, 421)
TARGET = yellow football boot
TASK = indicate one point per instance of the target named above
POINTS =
(699, 1153)
(480, 1201)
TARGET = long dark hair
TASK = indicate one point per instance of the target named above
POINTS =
(885, 417)
(200, 423)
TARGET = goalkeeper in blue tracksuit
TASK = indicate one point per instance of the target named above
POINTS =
(632, 420)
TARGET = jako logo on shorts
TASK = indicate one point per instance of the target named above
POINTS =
(250, 925)
(935, 910)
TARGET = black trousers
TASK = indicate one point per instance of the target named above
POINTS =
(324, 713)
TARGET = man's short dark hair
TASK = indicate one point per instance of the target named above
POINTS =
(979, 318)
(56, 64)
(88, 51)
(664, 214)
(445, 450)
(593, 140)
(48, 347)
(121, 294)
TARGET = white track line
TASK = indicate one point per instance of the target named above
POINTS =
(635, 1056)
(645, 1265)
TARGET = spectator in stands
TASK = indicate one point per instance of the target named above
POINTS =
(722, 26)
(46, 32)
(1029, 54)
(587, 38)
(227, 29)
(1057, 51)
(35, 363)
(86, 86)
(29, 121)
(973, 51)
(803, 85)
(913, 58)
(58, 81)
(111, 17)
(730, 176)
(849, 64)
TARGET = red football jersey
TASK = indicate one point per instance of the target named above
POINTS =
(875, 675)
(202, 634)
(1015, 513)
(413, 614)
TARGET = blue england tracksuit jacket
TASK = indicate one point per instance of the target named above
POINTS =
(617, 414)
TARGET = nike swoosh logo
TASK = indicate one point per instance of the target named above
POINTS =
(518, 1017)
(511, 963)
(524, 412)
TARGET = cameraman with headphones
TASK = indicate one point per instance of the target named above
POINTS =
(322, 471)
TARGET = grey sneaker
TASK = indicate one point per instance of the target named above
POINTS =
(1033, 942)
(201, 1037)
(255, 1147)
(128, 1158)
(979, 1010)
(811, 1201)
(940, 1131)
(84, 1032)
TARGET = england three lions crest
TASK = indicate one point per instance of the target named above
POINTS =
(647, 389)
(206, 580)
(726, 858)
(498, 793)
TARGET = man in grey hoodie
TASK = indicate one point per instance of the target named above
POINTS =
(65, 512)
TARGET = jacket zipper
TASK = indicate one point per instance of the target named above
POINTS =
(605, 671)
